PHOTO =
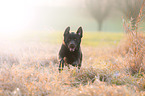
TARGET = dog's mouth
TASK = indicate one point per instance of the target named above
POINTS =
(72, 49)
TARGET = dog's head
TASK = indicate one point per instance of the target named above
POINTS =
(72, 40)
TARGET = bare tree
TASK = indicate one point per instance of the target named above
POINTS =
(99, 10)
(130, 9)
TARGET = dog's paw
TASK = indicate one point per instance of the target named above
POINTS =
(60, 70)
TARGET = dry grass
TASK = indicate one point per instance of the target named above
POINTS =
(134, 44)
(32, 69)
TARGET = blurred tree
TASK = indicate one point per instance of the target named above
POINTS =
(99, 9)
(130, 9)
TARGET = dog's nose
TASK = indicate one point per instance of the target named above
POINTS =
(72, 45)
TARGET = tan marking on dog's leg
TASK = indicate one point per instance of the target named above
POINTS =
(68, 66)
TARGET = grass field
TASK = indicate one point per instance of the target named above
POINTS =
(30, 67)
(89, 38)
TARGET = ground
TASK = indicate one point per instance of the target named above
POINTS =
(31, 68)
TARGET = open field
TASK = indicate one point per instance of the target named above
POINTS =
(113, 61)
(89, 38)
(31, 68)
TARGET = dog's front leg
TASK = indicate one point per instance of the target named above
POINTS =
(76, 64)
(61, 65)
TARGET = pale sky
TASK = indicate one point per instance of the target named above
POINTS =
(16, 15)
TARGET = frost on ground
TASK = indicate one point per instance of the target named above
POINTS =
(31, 68)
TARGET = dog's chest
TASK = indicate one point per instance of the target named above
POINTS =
(71, 57)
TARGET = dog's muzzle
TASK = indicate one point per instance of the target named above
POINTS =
(72, 47)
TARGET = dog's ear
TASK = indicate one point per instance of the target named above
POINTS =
(80, 32)
(67, 31)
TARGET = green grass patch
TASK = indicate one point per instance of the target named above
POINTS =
(89, 38)
(101, 38)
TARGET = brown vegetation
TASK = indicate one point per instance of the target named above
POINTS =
(32, 69)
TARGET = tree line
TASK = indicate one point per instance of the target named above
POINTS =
(101, 9)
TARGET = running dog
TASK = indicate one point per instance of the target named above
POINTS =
(70, 52)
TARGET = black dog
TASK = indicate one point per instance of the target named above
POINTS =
(70, 52)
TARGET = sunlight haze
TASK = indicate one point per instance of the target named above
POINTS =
(25, 15)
